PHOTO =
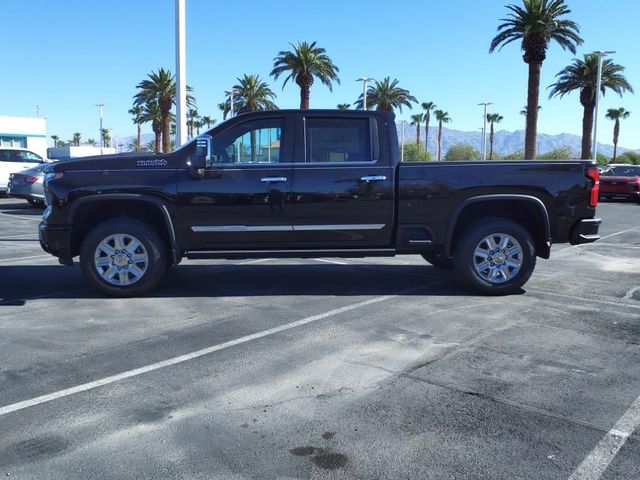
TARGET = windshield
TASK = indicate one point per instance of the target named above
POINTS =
(623, 171)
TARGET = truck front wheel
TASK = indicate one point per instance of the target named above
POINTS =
(495, 256)
(123, 257)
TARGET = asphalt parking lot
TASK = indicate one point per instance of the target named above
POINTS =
(327, 368)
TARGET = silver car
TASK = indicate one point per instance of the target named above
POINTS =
(28, 184)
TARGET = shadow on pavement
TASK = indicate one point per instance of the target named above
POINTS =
(18, 284)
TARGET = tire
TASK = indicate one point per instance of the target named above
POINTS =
(438, 260)
(134, 270)
(494, 272)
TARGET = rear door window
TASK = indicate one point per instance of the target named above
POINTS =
(338, 140)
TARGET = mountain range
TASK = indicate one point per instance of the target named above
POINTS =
(504, 141)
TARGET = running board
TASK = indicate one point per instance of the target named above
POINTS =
(306, 253)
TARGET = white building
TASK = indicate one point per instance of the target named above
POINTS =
(70, 151)
(24, 132)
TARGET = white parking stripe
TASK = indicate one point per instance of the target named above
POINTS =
(605, 451)
(200, 353)
(25, 258)
(11, 215)
(620, 303)
(567, 249)
(325, 260)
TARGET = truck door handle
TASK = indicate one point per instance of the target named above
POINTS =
(373, 178)
(273, 179)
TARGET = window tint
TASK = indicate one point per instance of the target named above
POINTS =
(630, 171)
(7, 156)
(28, 157)
(250, 143)
(338, 140)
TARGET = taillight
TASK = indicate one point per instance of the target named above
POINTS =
(32, 179)
(594, 174)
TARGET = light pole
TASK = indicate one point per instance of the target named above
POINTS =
(231, 93)
(402, 140)
(484, 130)
(100, 106)
(600, 56)
(364, 81)
(181, 79)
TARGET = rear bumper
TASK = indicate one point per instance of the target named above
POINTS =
(56, 240)
(585, 231)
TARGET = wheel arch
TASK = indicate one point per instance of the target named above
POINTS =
(89, 211)
(527, 210)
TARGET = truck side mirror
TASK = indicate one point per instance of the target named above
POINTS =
(201, 158)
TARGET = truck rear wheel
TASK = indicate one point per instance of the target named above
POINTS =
(495, 256)
(123, 257)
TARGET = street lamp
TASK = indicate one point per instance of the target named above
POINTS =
(364, 81)
(181, 78)
(231, 93)
(100, 106)
(484, 129)
(600, 56)
(402, 140)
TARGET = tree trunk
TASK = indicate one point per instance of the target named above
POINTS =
(587, 129)
(491, 143)
(439, 140)
(138, 146)
(166, 134)
(305, 91)
(616, 134)
(417, 138)
(533, 94)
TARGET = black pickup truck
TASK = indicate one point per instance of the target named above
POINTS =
(316, 183)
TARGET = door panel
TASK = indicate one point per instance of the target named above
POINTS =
(241, 202)
(342, 193)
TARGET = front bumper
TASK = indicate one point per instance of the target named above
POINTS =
(585, 231)
(56, 240)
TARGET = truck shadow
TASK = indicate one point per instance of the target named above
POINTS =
(20, 284)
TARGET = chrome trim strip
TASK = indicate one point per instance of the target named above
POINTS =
(241, 228)
(317, 250)
(314, 228)
(420, 242)
(284, 228)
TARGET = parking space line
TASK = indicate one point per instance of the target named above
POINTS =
(621, 303)
(11, 215)
(570, 248)
(335, 262)
(25, 258)
(202, 352)
(594, 465)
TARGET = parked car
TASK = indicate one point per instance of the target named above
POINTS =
(311, 183)
(28, 185)
(14, 160)
(620, 181)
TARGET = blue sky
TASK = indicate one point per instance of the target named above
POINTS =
(68, 55)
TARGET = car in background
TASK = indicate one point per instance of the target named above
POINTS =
(14, 160)
(28, 185)
(620, 181)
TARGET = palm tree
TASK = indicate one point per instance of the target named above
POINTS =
(344, 106)
(224, 108)
(582, 75)
(160, 87)
(136, 112)
(208, 121)
(492, 118)
(55, 139)
(616, 114)
(536, 24)
(106, 137)
(303, 64)
(151, 113)
(441, 117)
(91, 141)
(385, 95)
(76, 139)
(523, 112)
(253, 95)
(192, 118)
(417, 120)
(428, 107)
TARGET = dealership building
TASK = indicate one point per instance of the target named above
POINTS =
(24, 132)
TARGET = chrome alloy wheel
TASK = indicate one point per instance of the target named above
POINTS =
(498, 258)
(121, 259)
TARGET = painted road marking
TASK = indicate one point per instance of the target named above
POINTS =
(619, 303)
(605, 451)
(25, 258)
(564, 250)
(200, 353)
(326, 260)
